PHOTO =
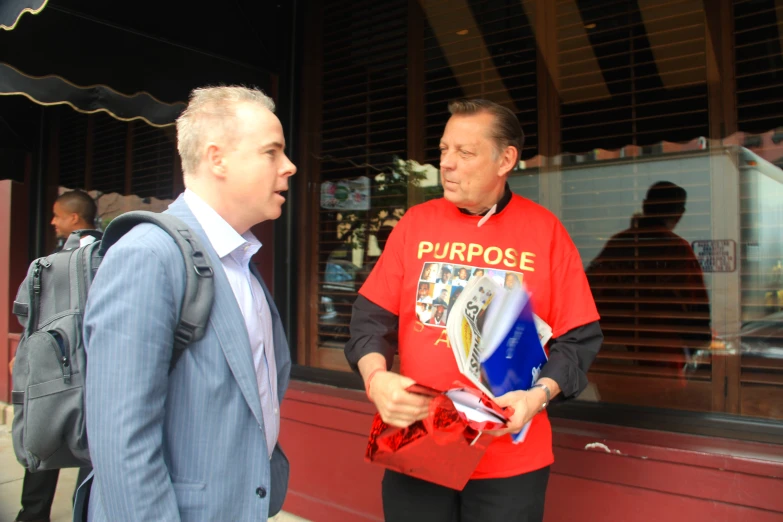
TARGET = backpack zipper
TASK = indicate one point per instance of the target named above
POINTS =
(65, 362)
(35, 286)
(37, 277)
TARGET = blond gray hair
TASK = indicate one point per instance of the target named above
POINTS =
(210, 114)
(506, 132)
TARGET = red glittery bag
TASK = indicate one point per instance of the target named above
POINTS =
(447, 446)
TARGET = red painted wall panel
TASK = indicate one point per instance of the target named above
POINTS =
(322, 430)
(571, 498)
(13, 267)
(671, 478)
(645, 475)
(329, 478)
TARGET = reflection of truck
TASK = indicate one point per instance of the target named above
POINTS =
(761, 204)
(761, 339)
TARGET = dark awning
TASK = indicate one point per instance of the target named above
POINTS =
(12, 10)
(53, 90)
(114, 57)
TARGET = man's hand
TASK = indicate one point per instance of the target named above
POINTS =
(397, 407)
(11, 365)
(526, 404)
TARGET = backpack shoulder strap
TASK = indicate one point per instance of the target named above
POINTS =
(199, 280)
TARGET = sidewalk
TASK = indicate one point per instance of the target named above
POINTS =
(11, 474)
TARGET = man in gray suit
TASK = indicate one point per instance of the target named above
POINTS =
(200, 443)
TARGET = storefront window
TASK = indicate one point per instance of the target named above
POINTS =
(656, 144)
(634, 192)
(357, 216)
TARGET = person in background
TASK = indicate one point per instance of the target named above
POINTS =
(73, 210)
(480, 146)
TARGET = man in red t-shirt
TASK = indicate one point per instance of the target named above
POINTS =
(478, 227)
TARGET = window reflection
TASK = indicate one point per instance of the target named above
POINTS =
(650, 292)
(357, 217)
(689, 289)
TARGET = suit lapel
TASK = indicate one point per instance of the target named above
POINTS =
(226, 317)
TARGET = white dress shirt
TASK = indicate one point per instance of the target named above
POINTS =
(235, 252)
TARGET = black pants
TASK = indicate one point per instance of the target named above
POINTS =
(512, 499)
(38, 491)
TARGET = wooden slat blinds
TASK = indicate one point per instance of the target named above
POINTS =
(650, 84)
(363, 133)
(108, 154)
(759, 64)
(479, 49)
(153, 161)
(73, 138)
(94, 154)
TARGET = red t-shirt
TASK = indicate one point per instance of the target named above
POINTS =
(524, 242)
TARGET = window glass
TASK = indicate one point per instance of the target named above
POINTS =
(668, 181)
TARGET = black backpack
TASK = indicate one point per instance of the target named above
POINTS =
(49, 430)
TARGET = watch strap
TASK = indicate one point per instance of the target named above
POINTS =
(546, 391)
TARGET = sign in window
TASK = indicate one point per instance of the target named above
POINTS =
(716, 255)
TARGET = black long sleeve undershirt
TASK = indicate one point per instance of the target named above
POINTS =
(374, 330)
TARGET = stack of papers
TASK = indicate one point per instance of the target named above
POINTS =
(497, 340)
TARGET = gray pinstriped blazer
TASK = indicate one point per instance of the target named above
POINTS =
(187, 446)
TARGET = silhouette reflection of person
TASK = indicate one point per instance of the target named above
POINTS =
(649, 288)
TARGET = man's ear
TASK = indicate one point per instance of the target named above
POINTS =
(508, 160)
(215, 159)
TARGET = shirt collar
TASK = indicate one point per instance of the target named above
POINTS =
(505, 200)
(224, 239)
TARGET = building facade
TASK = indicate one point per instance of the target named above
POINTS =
(683, 417)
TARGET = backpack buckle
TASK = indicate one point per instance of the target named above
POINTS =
(184, 334)
(203, 271)
(200, 263)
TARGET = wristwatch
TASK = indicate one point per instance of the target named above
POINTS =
(546, 391)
